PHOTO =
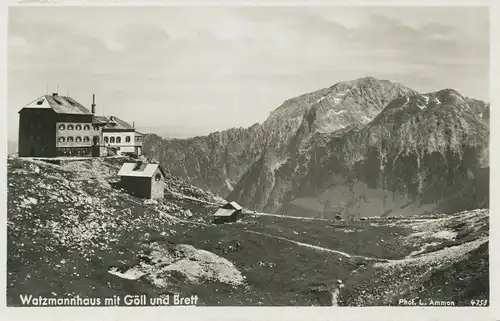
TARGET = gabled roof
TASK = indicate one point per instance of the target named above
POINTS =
(139, 169)
(99, 119)
(112, 122)
(60, 104)
(224, 212)
(232, 205)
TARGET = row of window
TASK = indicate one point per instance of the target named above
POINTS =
(77, 127)
(86, 139)
(117, 140)
(71, 139)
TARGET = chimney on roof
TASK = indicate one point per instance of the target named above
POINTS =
(133, 124)
(93, 103)
(54, 94)
(138, 165)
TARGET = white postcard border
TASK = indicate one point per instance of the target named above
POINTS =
(270, 313)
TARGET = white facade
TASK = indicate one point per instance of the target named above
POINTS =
(125, 142)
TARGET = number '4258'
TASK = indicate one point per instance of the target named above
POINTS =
(479, 303)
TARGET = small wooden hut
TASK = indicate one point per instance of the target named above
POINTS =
(230, 212)
(143, 180)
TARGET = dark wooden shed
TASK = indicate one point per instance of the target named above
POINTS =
(144, 180)
(230, 212)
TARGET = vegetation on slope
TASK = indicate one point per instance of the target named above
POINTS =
(71, 233)
(68, 228)
(453, 251)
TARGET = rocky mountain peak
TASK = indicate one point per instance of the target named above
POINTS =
(370, 146)
(352, 102)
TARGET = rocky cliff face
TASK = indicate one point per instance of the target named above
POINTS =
(422, 153)
(219, 160)
(359, 148)
(213, 162)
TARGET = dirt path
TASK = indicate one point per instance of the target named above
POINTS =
(290, 217)
(318, 248)
(193, 199)
(315, 247)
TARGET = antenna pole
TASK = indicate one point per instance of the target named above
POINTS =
(93, 103)
(47, 92)
(57, 91)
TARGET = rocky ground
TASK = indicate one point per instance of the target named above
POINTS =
(450, 263)
(71, 232)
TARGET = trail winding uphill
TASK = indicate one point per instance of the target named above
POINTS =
(292, 217)
(318, 248)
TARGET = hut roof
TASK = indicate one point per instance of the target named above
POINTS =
(111, 123)
(60, 104)
(139, 169)
(224, 212)
(233, 205)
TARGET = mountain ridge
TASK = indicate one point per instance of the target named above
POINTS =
(247, 145)
(268, 166)
(400, 135)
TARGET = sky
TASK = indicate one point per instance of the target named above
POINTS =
(185, 71)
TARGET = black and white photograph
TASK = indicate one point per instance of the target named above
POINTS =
(263, 156)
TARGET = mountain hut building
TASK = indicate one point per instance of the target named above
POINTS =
(230, 212)
(59, 126)
(144, 180)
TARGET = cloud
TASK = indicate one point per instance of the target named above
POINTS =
(433, 43)
(248, 40)
(142, 37)
(48, 46)
(185, 60)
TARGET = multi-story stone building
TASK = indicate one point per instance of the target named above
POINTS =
(53, 126)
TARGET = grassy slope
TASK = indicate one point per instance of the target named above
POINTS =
(359, 237)
(80, 227)
(45, 256)
(43, 262)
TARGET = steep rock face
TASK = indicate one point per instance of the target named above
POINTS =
(354, 102)
(359, 148)
(219, 160)
(422, 153)
(213, 162)
(327, 110)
